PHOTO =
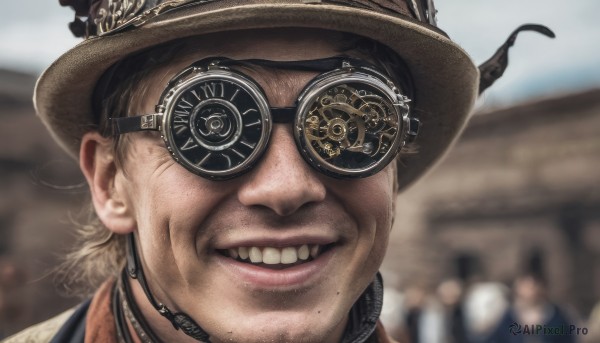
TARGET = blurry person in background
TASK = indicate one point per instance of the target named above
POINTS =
(450, 293)
(243, 160)
(484, 307)
(414, 303)
(533, 306)
(10, 279)
(424, 317)
(593, 324)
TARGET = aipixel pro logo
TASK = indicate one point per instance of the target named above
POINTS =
(515, 328)
(544, 330)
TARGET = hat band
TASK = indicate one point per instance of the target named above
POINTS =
(106, 17)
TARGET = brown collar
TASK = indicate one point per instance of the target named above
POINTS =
(100, 322)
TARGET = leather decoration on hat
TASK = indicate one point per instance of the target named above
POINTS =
(101, 17)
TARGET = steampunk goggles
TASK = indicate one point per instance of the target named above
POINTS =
(349, 122)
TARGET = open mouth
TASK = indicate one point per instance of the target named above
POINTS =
(276, 258)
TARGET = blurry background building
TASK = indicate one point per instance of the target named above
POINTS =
(520, 180)
(519, 193)
(36, 198)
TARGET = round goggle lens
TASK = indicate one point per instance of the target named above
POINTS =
(217, 125)
(350, 129)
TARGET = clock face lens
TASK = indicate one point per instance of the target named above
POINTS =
(217, 125)
(350, 129)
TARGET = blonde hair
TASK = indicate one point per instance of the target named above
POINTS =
(99, 254)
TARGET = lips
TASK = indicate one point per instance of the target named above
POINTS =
(277, 264)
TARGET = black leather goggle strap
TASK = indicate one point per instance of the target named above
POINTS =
(280, 115)
(283, 115)
(128, 125)
(318, 65)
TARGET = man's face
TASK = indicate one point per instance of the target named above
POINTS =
(190, 229)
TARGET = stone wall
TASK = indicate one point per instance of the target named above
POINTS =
(39, 190)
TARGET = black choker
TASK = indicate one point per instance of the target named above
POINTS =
(362, 321)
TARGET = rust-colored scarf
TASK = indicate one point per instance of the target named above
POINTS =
(100, 321)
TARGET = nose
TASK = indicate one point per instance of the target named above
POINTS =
(282, 181)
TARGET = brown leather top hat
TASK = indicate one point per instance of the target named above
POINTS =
(445, 79)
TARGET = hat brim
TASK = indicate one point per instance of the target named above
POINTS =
(444, 76)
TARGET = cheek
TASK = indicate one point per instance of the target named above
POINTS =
(373, 198)
(387, 201)
(173, 208)
(176, 202)
(169, 203)
(371, 202)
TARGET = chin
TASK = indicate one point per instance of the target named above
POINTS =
(282, 328)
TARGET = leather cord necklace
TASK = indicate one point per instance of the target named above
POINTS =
(127, 310)
(123, 334)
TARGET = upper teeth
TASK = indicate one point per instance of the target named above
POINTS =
(270, 255)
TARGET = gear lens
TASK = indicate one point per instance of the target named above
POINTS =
(350, 129)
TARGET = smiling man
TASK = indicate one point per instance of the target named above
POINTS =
(243, 160)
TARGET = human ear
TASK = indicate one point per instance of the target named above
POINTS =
(96, 160)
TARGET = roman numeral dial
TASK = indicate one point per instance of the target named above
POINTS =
(217, 125)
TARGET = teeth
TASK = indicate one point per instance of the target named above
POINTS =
(255, 255)
(243, 252)
(303, 252)
(314, 251)
(289, 255)
(270, 255)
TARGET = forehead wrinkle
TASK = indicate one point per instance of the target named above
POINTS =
(281, 87)
(148, 92)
